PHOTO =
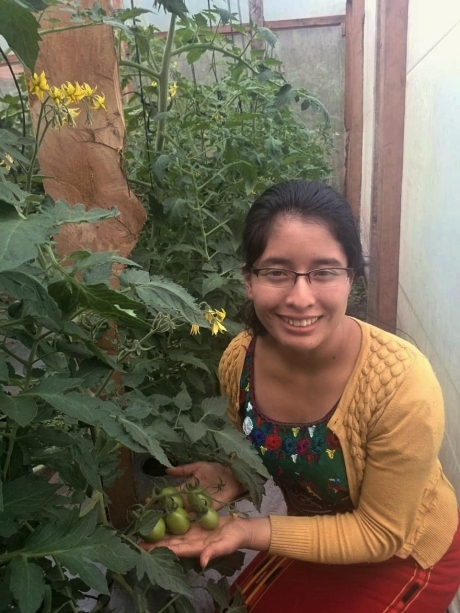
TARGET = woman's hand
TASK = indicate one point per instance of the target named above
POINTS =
(211, 475)
(232, 533)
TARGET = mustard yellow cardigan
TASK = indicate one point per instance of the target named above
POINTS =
(390, 423)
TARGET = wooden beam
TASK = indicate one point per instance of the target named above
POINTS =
(390, 98)
(354, 62)
(256, 17)
(285, 24)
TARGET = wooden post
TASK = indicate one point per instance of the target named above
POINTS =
(354, 31)
(388, 162)
(256, 17)
(85, 165)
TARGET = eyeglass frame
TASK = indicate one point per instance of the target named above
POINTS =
(256, 271)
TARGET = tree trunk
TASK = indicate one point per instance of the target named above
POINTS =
(85, 165)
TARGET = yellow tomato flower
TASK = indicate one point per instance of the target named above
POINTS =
(217, 327)
(173, 90)
(99, 102)
(154, 84)
(74, 93)
(38, 85)
(194, 329)
(7, 159)
(57, 95)
(220, 315)
(88, 89)
(215, 317)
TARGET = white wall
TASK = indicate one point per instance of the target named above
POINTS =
(429, 290)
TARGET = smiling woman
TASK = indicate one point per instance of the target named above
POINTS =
(347, 419)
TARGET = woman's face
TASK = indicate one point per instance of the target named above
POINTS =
(303, 316)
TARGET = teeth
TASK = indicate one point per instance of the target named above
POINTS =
(301, 323)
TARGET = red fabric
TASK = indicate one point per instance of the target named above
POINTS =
(272, 584)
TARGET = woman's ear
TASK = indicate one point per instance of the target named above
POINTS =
(247, 280)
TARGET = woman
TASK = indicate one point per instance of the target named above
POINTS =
(348, 419)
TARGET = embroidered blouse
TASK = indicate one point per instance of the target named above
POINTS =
(304, 459)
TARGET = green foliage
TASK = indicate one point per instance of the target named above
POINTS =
(19, 27)
(87, 370)
(199, 154)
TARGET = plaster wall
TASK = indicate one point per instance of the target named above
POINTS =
(429, 282)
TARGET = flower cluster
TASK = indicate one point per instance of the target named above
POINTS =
(215, 317)
(64, 96)
(173, 90)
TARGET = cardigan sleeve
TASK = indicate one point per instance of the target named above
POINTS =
(401, 469)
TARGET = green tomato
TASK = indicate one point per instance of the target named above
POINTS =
(169, 492)
(178, 521)
(210, 520)
(157, 533)
(199, 500)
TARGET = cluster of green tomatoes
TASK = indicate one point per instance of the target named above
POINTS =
(176, 519)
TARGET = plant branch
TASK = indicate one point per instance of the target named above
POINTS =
(210, 47)
(140, 67)
(163, 85)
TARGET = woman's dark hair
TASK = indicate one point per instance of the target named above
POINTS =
(305, 200)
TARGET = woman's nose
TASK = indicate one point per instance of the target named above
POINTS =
(301, 294)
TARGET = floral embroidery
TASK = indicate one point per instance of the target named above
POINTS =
(258, 436)
(303, 446)
(305, 460)
(247, 426)
(273, 441)
(318, 444)
(290, 445)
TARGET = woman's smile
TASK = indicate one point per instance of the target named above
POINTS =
(300, 315)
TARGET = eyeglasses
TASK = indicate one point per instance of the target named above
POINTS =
(320, 277)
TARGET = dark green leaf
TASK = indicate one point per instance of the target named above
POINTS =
(4, 374)
(227, 565)
(183, 400)
(148, 521)
(177, 7)
(19, 237)
(175, 208)
(220, 592)
(164, 296)
(212, 282)
(194, 430)
(27, 584)
(252, 480)
(124, 15)
(20, 29)
(19, 408)
(194, 55)
(187, 358)
(25, 496)
(214, 406)
(36, 300)
(233, 441)
(145, 437)
(162, 568)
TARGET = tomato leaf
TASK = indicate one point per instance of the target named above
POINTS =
(27, 584)
(233, 441)
(162, 568)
